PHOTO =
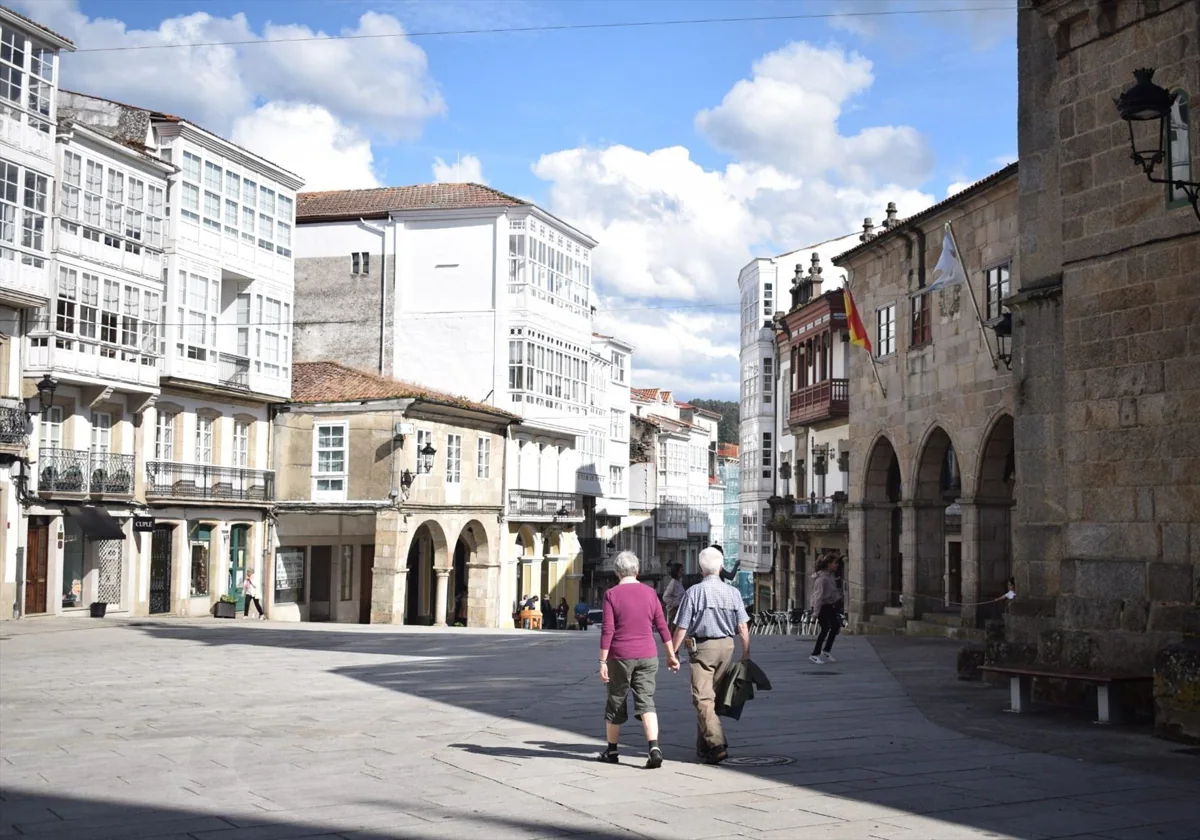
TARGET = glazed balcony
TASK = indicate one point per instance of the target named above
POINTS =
(540, 506)
(208, 482)
(821, 401)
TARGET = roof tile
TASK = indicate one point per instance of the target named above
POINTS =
(322, 382)
(375, 203)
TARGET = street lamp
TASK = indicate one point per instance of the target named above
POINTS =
(1146, 107)
(1002, 327)
(428, 451)
(45, 388)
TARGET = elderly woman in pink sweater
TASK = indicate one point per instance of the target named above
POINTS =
(629, 656)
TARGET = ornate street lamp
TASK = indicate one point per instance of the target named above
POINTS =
(46, 388)
(1002, 327)
(1146, 107)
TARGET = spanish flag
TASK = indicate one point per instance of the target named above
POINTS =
(858, 333)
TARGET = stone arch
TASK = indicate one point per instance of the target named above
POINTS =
(936, 568)
(427, 552)
(473, 583)
(993, 511)
(928, 466)
(997, 459)
(881, 572)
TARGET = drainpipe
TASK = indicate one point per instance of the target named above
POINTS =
(382, 289)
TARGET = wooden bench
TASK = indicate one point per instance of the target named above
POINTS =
(1021, 686)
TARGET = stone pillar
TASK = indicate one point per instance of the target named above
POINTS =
(969, 597)
(483, 596)
(439, 609)
(856, 571)
(909, 540)
(389, 576)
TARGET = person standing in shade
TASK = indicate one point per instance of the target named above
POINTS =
(711, 614)
(548, 620)
(250, 591)
(581, 614)
(629, 657)
(825, 600)
(674, 594)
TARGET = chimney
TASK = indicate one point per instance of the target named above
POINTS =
(892, 221)
(868, 230)
(797, 284)
(814, 274)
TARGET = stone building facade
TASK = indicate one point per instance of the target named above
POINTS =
(1106, 347)
(390, 499)
(931, 426)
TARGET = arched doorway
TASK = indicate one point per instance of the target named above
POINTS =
(936, 521)
(473, 577)
(994, 504)
(426, 551)
(883, 524)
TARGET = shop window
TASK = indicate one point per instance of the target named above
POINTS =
(289, 576)
(199, 569)
(73, 569)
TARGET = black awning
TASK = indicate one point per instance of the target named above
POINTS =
(96, 523)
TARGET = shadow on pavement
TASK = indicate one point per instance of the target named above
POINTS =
(68, 818)
(856, 743)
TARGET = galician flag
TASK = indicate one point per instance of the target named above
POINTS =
(858, 334)
(949, 269)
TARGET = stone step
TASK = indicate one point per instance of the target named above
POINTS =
(868, 628)
(932, 630)
(946, 619)
(895, 622)
(893, 610)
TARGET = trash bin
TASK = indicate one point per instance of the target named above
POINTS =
(98, 609)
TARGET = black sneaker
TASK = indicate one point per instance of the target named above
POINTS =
(655, 760)
(609, 757)
(716, 755)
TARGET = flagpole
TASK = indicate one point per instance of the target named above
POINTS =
(971, 291)
(870, 353)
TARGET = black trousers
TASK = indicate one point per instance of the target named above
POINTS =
(257, 606)
(830, 621)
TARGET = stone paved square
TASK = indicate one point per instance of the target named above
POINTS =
(259, 731)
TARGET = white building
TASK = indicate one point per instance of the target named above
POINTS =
(29, 64)
(766, 438)
(464, 289)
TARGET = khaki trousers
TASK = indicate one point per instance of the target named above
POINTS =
(709, 661)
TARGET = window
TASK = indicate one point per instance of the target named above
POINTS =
(551, 371)
(768, 301)
(1179, 149)
(164, 437)
(241, 444)
(33, 219)
(289, 575)
(68, 293)
(212, 176)
(885, 330)
(424, 462)
(453, 459)
(765, 533)
(750, 386)
(204, 439)
(766, 454)
(271, 337)
(768, 381)
(616, 425)
(346, 574)
(618, 366)
(154, 216)
(212, 210)
(483, 458)
(89, 304)
(998, 289)
(242, 314)
(198, 323)
(360, 262)
(329, 475)
(51, 429)
(190, 202)
(68, 198)
(922, 332)
(101, 432)
(616, 481)
(191, 167)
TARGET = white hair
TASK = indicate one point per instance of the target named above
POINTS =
(626, 564)
(712, 561)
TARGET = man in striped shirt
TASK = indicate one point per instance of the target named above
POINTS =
(711, 614)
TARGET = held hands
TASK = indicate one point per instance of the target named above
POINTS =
(673, 663)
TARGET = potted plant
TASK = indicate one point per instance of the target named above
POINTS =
(226, 607)
(99, 608)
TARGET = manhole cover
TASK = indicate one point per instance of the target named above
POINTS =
(760, 760)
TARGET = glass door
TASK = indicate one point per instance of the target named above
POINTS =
(238, 537)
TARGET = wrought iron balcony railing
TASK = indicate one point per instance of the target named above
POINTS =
(540, 505)
(13, 423)
(111, 474)
(208, 482)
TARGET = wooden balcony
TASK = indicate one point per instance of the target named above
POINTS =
(826, 400)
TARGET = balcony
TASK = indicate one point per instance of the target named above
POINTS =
(538, 506)
(823, 401)
(233, 371)
(84, 472)
(16, 132)
(106, 247)
(13, 423)
(207, 482)
(26, 283)
(93, 360)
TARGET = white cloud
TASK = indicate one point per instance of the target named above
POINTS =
(957, 187)
(787, 116)
(466, 170)
(984, 22)
(310, 141)
(334, 89)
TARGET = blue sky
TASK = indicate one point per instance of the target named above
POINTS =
(684, 149)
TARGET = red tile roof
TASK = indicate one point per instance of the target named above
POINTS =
(37, 25)
(650, 394)
(331, 382)
(376, 203)
(727, 450)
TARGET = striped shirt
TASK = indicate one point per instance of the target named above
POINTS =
(712, 609)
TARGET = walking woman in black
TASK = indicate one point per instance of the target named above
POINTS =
(825, 599)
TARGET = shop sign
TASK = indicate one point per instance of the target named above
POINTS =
(143, 524)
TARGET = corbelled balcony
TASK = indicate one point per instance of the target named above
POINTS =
(208, 482)
(13, 423)
(541, 506)
(824, 400)
(84, 472)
